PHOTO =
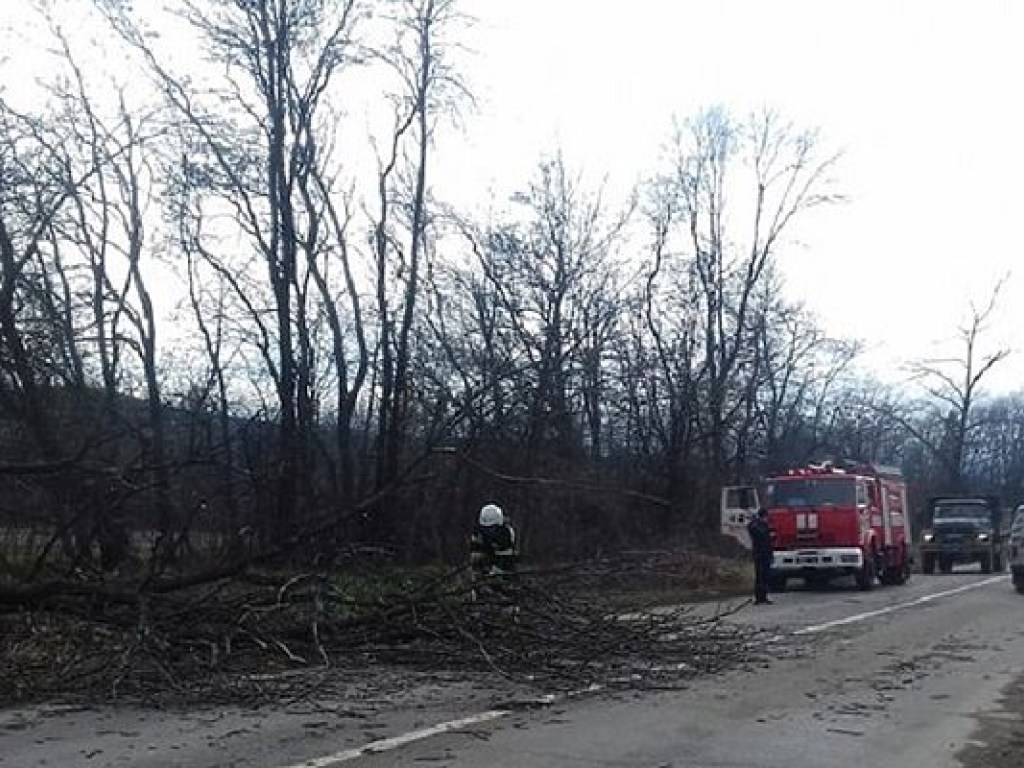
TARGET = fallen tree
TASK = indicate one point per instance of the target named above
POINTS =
(251, 636)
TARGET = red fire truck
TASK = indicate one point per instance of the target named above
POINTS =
(828, 521)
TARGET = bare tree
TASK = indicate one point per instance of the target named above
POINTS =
(996, 458)
(257, 143)
(555, 278)
(954, 385)
(797, 378)
(44, 340)
(734, 190)
(429, 88)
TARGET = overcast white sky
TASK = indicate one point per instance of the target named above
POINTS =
(923, 96)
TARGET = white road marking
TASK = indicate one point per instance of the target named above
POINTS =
(815, 628)
(384, 745)
(394, 742)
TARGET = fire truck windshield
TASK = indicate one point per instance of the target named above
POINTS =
(813, 492)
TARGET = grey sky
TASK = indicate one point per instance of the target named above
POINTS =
(923, 97)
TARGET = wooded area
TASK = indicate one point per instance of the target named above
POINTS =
(234, 337)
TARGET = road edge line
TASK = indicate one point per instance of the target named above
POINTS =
(857, 617)
(394, 742)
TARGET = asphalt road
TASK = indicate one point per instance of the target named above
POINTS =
(928, 674)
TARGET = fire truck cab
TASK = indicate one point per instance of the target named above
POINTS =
(830, 521)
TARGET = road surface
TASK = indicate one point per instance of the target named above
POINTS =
(928, 674)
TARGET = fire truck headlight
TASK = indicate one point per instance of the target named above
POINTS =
(982, 537)
(927, 537)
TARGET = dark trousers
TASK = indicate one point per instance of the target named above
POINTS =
(762, 565)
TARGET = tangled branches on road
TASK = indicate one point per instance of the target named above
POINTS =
(524, 631)
(241, 638)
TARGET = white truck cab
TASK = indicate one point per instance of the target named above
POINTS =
(739, 505)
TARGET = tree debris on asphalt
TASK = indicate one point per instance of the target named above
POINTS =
(270, 635)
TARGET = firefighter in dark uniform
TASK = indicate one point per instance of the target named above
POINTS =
(761, 548)
(492, 547)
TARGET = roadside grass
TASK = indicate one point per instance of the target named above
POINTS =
(652, 579)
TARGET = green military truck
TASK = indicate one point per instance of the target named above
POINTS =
(962, 529)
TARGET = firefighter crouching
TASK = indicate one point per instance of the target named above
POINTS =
(761, 548)
(492, 548)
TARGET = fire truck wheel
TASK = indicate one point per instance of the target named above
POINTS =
(905, 573)
(987, 562)
(946, 564)
(928, 563)
(997, 563)
(900, 573)
(895, 576)
(866, 577)
(776, 583)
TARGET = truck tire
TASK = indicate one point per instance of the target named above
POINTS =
(1019, 586)
(997, 562)
(928, 563)
(905, 576)
(866, 575)
(776, 582)
(896, 576)
(946, 564)
(897, 573)
(987, 562)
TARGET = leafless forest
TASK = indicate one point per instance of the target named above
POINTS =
(241, 345)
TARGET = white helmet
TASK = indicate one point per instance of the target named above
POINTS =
(491, 514)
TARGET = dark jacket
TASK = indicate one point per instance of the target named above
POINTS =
(760, 537)
(493, 547)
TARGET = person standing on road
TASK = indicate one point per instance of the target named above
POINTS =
(761, 548)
